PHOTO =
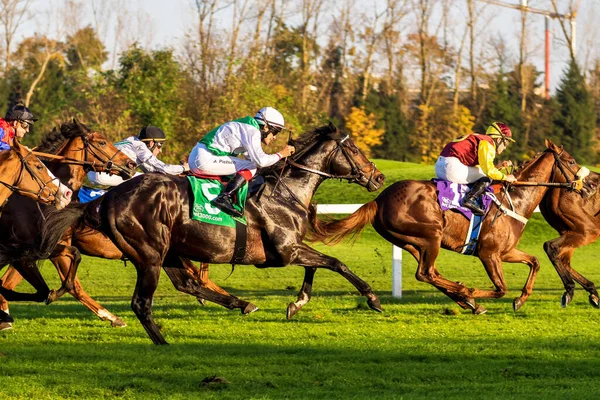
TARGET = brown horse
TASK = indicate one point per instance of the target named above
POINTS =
(277, 222)
(73, 149)
(577, 220)
(23, 173)
(408, 215)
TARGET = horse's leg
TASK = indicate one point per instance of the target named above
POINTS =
(559, 252)
(493, 266)
(184, 282)
(201, 275)
(68, 283)
(141, 302)
(63, 264)
(9, 280)
(31, 273)
(309, 257)
(303, 294)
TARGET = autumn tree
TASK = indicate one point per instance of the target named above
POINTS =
(362, 128)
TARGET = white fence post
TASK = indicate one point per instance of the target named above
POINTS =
(396, 272)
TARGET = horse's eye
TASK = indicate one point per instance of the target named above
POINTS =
(39, 167)
(103, 143)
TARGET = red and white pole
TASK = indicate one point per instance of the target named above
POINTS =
(547, 82)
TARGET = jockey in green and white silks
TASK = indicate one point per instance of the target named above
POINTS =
(142, 149)
(216, 153)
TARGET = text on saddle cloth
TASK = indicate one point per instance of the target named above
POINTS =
(450, 196)
(205, 190)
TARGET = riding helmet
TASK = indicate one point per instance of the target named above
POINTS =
(150, 132)
(19, 112)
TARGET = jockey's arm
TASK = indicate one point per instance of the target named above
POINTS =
(252, 143)
(149, 163)
(486, 153)
(104, 179)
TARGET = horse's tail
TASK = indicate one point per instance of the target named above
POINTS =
(51, 229)
(334, 231)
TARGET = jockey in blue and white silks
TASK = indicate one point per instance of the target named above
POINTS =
(142, 149)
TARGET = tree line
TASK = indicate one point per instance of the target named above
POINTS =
(401, 76)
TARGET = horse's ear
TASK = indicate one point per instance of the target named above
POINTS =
(332, 127)
(550, 144)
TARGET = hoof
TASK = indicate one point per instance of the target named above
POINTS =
(4, 326)
(250, 308)
(518, 303)
(201, 301)
(292, 309)
(5, 317)
(51, 297)
(479, 310)
(118, 323)
(594, 300)
(375, 304)
(565, 299)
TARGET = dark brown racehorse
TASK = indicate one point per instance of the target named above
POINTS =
(148, 218)
(577, 220)
(408, 215)
(76, 150)
(23, 173)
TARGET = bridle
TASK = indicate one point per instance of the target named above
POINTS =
(357, 173)
(577, 175)
(90, 148)
(44, 186)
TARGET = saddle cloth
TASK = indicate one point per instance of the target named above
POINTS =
(450, 195)
(204, 191)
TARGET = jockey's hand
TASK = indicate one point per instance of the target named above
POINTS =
(506, 164)
(287, 151)
(510, 178)
(186, 166)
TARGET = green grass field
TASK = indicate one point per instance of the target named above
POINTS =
(422, 346)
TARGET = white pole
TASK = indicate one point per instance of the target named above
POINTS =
(396, 272)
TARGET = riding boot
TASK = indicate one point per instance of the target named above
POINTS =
(224, 201)
(470, 199)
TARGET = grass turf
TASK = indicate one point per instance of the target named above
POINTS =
(422, 346)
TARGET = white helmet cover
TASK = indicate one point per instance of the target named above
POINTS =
(271, 116)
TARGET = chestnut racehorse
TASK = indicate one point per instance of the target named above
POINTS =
(408, 215)
(577, 220)
(73, 150)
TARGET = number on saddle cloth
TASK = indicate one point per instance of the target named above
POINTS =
(205, 190)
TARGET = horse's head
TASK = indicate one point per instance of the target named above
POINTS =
(566, 168)
(31, 178)
(97, 152)
(340, 158)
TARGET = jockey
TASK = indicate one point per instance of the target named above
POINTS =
(143, 149)
(216, 153)
(470, 159)
(16, 123)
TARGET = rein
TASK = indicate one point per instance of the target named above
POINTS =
(355, 175)
(89, 147)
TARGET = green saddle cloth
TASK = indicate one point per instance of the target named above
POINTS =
(207, 189)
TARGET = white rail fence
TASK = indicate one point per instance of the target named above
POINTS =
(396, 251)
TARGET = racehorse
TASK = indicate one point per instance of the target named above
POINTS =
(73, 150)
(577, 220)
(148, 218)
(23, 173)
(408, 215)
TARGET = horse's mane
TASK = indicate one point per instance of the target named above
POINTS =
(54, 141)
(305, 142)
(527, 163)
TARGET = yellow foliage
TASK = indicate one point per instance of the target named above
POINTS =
(362, 129)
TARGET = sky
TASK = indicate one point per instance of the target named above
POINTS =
(164, 23)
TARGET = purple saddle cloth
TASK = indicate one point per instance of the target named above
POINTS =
(450, 195)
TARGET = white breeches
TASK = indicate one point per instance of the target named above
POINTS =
(451, 169)
(202, 161)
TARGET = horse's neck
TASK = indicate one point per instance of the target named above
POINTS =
(70, 174)
(527, 198)
(303, 183)
(9, 170)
